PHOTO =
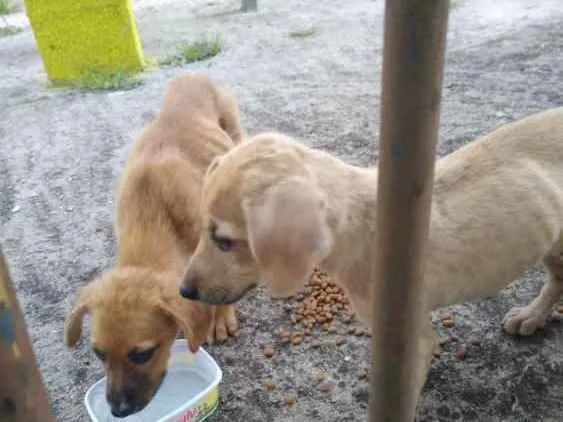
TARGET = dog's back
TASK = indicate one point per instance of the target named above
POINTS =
(159, 194)
(497, 207)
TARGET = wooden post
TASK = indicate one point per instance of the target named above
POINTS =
(22, 395)
(415, 40)
(249, 6)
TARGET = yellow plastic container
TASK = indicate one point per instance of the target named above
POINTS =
(75, 37)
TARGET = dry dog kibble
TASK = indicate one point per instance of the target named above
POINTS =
(268, 352)
(296, 340)
(290, 400)
(270, 386)
(446, 316)
(320, 303)
(448, 323)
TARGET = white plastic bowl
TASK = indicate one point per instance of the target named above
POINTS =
(189, 392)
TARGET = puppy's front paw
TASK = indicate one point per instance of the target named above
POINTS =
(224, 324)
(523, 320)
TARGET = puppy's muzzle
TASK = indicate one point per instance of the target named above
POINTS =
(188, 289)
(122, 405)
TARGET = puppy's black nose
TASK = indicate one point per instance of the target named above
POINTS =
(188, 290)
(122, 410)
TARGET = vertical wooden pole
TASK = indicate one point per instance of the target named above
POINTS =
(415, 40)
(249, 6)
(22, 395)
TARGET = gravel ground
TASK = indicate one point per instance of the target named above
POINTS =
(309, 69)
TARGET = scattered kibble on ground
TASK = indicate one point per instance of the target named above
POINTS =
(290, 400)
(270, 386)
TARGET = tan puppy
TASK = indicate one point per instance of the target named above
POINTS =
(273, 209)
(135, 308)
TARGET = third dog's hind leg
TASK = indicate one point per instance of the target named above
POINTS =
(527, 319)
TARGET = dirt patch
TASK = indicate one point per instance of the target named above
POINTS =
(61, 152)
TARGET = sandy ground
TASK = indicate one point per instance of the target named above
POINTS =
(61, 152)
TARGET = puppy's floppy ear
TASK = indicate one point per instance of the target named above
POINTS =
(195, 324)
(74, 319)
(288, 234)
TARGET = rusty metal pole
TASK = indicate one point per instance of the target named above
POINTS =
(415, 41)
(22, 394)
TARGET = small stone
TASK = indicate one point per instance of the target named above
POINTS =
(324, 386)
(268, 352)
(339, 341)
(332, 330)
(444, 340)
(362, 374)
(319, 377)
(461, 353)
(475, 341)
(316, 344)
(346, 319)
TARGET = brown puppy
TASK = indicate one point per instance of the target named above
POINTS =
(273, 209)
(135, 308)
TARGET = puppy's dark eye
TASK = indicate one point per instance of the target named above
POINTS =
(139, 357)
(224, 244)
(99, 354)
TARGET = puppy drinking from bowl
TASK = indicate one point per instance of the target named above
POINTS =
(273, 209)
(135, 309)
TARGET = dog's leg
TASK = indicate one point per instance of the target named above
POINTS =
(229, 118)
(527, 319)
(224, 324)
(428, 341)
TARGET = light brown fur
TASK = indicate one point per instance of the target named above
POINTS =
(136, 305)
(497, 208)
